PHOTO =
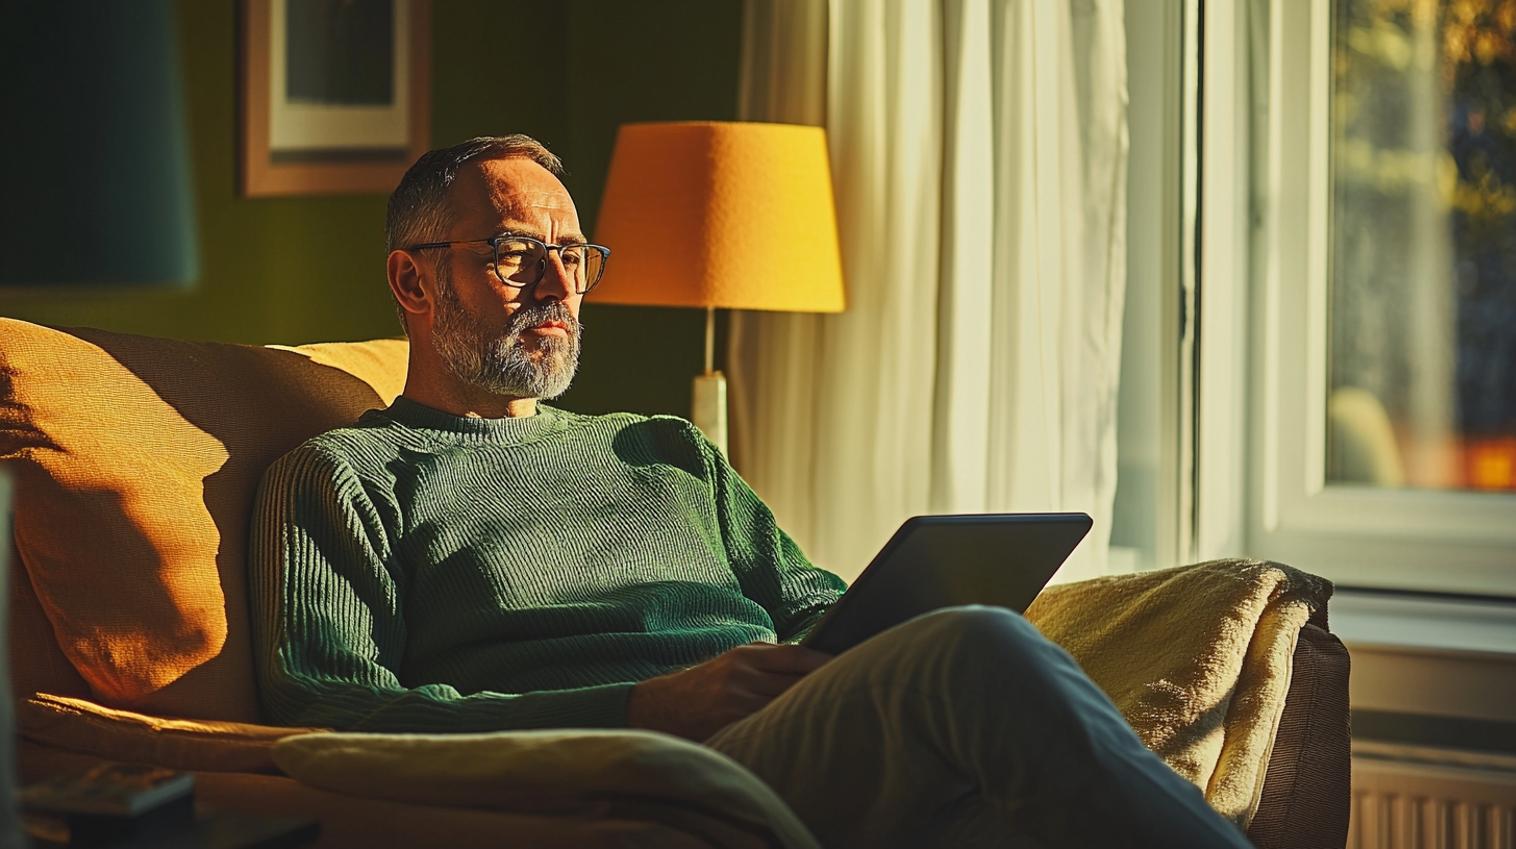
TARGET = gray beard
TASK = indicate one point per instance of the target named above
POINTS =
(501, 365)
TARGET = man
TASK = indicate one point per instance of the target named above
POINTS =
(470, 559)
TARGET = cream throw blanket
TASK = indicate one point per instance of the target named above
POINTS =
(1198, 659)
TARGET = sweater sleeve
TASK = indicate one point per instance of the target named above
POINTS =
(328, 626)
(770, 567)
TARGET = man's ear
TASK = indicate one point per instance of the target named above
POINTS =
(405, 278)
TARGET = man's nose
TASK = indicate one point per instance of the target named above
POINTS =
(556, 282)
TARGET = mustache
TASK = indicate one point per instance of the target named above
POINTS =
(531, 316)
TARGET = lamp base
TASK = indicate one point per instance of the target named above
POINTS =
(709, 408)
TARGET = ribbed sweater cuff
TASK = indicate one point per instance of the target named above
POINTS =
(603, 706)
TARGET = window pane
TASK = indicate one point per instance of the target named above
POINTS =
(1422, 349)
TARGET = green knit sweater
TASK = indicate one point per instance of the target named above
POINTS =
(421, 571)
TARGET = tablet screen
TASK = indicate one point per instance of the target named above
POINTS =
(932, 562)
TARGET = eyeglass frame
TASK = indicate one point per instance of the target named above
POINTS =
(494, 243)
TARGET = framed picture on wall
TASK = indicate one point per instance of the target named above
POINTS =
(335, 94)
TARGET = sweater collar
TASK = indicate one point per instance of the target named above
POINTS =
(507, 429)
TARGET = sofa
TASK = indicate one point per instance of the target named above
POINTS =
(136, 459)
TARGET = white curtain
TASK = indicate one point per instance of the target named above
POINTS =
(979, 163)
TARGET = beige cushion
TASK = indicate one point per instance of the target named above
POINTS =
(79, 725)
(136, 461)
(635, 774)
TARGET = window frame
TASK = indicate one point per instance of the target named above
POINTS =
(1154, 425)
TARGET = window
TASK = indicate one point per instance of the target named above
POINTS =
(1422, 282)
(1375, 228)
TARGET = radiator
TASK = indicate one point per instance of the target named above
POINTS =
(1412, 797)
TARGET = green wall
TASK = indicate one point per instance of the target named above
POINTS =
(309, 269)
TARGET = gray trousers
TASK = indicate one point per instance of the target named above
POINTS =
(967, 728)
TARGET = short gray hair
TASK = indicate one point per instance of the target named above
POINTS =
(418, 209)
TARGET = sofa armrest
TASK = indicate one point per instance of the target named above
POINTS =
(84, 727)
(1306, 790)
(641, 775)
(355, 822)
(603, 786)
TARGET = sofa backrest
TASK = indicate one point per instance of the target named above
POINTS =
(136, 460)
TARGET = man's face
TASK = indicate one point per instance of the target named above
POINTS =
(514, 342)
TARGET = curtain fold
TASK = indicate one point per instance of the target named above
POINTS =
(978, 160)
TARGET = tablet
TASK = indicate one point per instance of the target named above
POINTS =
(932, 562)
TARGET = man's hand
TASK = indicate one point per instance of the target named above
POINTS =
(697, 702)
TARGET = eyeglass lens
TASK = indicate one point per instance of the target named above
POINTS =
(520, 262)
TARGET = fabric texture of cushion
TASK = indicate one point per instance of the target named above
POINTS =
(136, 461)
(78, 725)
(632, 774)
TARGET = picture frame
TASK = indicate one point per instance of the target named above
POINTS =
(336, 96)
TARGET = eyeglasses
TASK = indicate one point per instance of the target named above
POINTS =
(520, 261)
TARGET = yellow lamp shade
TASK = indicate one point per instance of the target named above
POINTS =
(720, 214)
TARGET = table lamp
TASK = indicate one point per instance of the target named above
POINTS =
(720, 214)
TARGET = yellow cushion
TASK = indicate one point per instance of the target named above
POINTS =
(136, 462)
(78, 725)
